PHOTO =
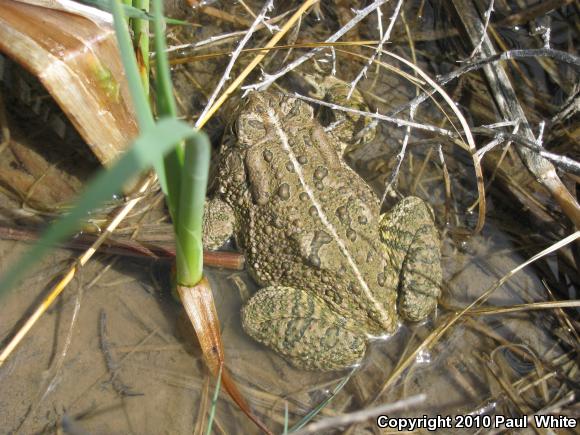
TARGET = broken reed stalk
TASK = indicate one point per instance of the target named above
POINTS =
(130, 248)
(508, 104)
(198, 303)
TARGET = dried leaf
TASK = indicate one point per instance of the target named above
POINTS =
(200, 308)
(77, 60)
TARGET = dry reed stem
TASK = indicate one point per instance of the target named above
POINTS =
(511, 389)
(563, 317)
(508, 104)
(490, 311)
(224, 38)
(538, 365)
(461, 379)
(225, 16)
(561, 361)
(502, 45)
(200, 421)
(362, 415)
(200, 57)
(505, 385)
(247, 8)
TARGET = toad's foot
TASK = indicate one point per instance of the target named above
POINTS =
(411, 242)
(302, 328)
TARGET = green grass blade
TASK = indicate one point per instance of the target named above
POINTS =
(166, 107)
(214, 402)
(189, 249)
(140, 101)
(165, 101)
(142, 109)
(149, 147)
(141, 38)
(131, 11)
(126, 4)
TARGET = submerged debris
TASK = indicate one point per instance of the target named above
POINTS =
(111, 360)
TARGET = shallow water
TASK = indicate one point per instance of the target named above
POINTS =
(60, 370)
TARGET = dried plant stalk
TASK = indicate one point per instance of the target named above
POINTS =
(508, 104)
(77, 61)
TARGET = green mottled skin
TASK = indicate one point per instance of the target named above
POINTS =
(328, 283)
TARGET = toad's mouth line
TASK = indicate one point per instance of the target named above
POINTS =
(378, 308)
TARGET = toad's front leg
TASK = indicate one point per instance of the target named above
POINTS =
(218, 223)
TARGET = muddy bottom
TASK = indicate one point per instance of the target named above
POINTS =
(115, 355)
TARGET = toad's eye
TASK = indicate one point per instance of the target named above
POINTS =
(296, 109)
(250, 129)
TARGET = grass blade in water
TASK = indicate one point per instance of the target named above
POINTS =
(147, 148)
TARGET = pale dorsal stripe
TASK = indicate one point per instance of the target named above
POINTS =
(298, 168)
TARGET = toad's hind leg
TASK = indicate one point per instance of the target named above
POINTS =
(411, 242)
(300, 326)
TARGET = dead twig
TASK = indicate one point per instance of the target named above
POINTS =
(271, 78)
(558, 55)
(378, 50)
(487, 16)
(234, 57)
(254, 63)
(563, 162)
(131, 248)
(507, 102)
(362, 415)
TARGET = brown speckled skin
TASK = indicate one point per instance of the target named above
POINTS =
(331, 281)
